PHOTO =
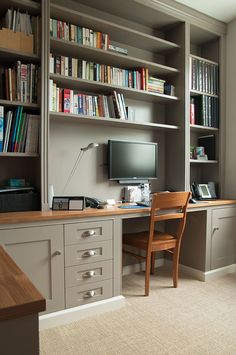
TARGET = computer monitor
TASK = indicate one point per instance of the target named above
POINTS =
(131, 161)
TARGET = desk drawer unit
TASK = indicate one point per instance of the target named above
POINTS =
(88, 253)
(97, 291)
(85, 232)
(88, 262)
(89, 273)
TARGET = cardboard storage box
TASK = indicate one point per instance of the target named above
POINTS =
(16, 40)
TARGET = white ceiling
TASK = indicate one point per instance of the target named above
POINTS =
(223, 10)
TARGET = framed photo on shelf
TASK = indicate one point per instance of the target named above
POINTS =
(204, 191)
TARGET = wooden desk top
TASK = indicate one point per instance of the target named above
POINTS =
(18, 296)
(41, 216)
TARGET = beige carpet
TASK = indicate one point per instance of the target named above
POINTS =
(197, 318)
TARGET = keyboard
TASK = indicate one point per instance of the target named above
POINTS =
(144, 204)
(130, 206)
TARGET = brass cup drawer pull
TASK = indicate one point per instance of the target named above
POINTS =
(89, 274)
(89, 294)
(89, 253)
(89, 233)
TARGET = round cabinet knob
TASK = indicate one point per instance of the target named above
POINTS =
(215, 229)
(58, 252)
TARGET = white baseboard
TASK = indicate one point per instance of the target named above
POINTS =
(130, 269)
(230, 269)
(69, 315)
(201, 275)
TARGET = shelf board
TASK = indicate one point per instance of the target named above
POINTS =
(196, 93)
(19, 155)
(31, 7)
(199, 128)
(68, 48)
(102, 121)
(11, 54)
(9, 103)
(97, 87)
(196, 161)
(117, 32)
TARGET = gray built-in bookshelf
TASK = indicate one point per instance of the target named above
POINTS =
(152, 39)
(18, 160)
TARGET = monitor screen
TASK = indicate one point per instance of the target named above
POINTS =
(132, 160)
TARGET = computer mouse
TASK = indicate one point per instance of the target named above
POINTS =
(192, 200)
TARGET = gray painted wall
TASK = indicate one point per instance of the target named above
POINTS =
(230, 163)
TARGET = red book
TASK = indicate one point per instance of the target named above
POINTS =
(66, 100)
(192, 111)
(143, 77)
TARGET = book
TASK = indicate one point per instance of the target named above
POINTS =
(66, 100)
(192, 111)
(19, 127)
(117, 49)
(7, 130)
(18, 116)
(1, 127)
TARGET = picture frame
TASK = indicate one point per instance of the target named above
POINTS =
(66, 203)
(204, 191)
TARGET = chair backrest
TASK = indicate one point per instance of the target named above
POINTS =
(167, 206)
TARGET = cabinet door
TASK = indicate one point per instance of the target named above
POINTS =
(38, 251)
(223, 242)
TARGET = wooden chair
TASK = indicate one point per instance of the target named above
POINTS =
(165, 206)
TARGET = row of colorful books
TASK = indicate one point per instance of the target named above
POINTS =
(71, 101)
(19, 131)
(73, 67)
(204, 110)
(204, 76)
(78, 34)
(20, 83)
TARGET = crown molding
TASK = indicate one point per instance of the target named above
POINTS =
(185, 13)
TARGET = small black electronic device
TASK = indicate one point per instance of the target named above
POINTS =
(132, 162)
(94, 202)
(203, 191)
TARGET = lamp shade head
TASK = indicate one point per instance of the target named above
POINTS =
(90, 146)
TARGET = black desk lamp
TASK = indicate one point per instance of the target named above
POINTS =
(72, 202)
(78, 159)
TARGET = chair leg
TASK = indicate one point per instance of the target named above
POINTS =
(153, 263)
(176, 267)
(147, 275)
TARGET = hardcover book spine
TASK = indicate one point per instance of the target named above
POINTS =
(192, 111)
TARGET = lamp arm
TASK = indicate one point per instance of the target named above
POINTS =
(79, 157)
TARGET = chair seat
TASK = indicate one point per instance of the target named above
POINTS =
(161, 241)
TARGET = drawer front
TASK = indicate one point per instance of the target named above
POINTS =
(97, 291)
(88, 232)
(88, 253)
(86, 274)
